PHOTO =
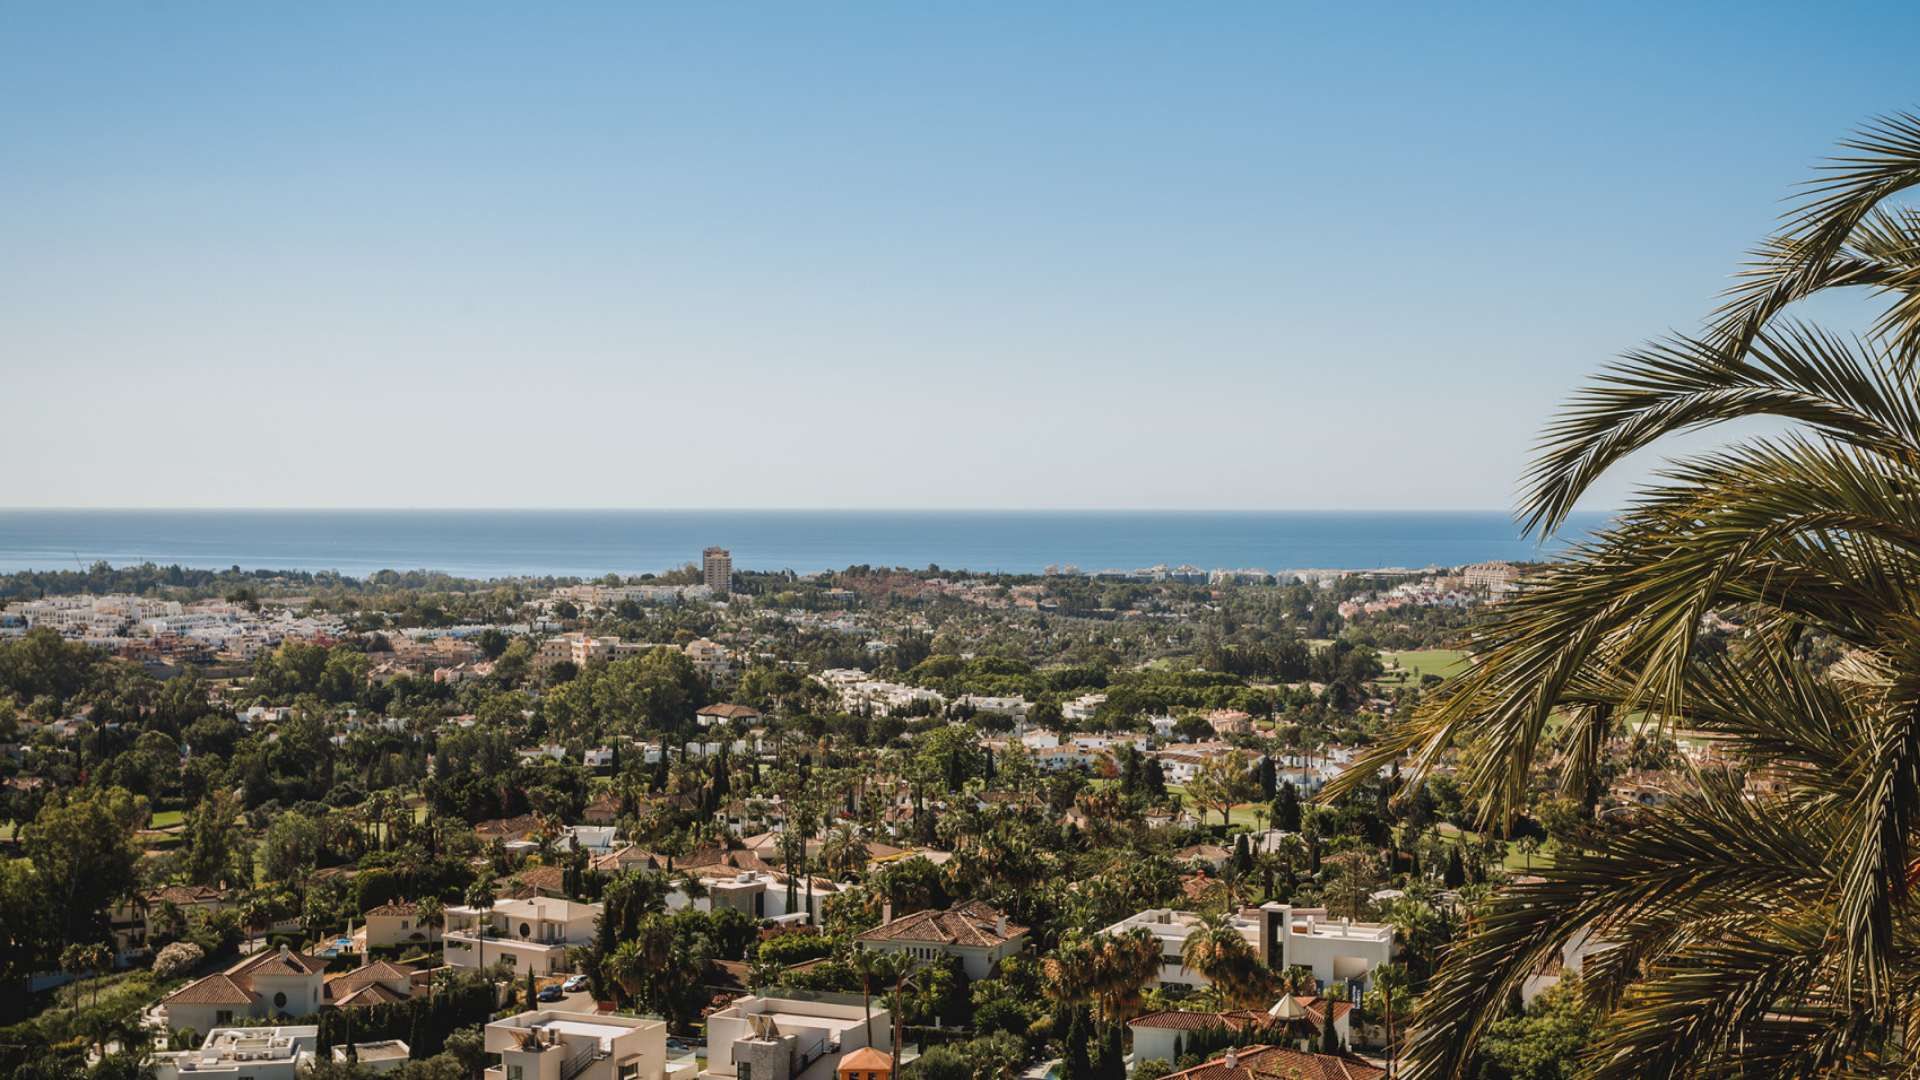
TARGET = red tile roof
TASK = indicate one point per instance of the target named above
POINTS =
(1262, 1062)
(218, 989)
(972, 924)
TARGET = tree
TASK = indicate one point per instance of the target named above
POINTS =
(177, 959)
(1758, 932)
(1543, 1043)
(480, 897)
(82, 853)
(1286, 808)
(1223, 782)
(863, 962)
(1217, 951)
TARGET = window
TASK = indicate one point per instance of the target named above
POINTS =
(515, 1072)
(223, 1017)
(280, 1000)
(510, 960)
(525, 930)
(746, 1070)
(630, 1071)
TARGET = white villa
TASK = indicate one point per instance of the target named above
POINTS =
(1337, 950)
(554, 1045)
(273, 984)
(978, 935)
(262, 1053)
(765, 1038)
(394, 923)
(530, 935)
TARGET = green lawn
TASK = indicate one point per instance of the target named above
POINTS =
(167, 819)
(1242, 814)
(1516, 860)
(1411, 664)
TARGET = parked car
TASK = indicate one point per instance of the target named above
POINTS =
(551, 992)
(574, 984)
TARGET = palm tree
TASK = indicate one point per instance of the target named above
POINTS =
(1123, 966)
(480, 898)
(1754, 932)
(844, 853)
(1217, 951)
(863, 963)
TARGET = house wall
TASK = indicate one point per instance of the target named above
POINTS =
(1151, 1042)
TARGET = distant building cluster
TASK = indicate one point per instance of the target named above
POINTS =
(168, 629)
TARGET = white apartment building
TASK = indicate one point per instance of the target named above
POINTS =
(581, 649)
(710, 658)
(1016, 707)
(552, 1044)
(1082, 708)
(529, 935)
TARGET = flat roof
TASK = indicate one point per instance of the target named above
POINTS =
(608, 1032)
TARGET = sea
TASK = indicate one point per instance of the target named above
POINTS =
(591, 543)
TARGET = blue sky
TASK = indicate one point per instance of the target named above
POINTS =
(1260, 256)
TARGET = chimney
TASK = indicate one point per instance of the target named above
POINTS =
(1233, 1058)
(886, 913)
(1000, 926)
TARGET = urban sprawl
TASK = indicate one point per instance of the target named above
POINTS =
(759, 826)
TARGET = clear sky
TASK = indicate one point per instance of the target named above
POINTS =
(838, 255)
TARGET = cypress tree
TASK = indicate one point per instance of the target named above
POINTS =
(1074, 1064)
(1286, 808)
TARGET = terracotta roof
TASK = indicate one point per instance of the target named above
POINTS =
(729, 712)
(972, 924)
(534, 881)
(1180, 1020)
(186, 894)
(347, 982)
(218, 989)
(509, 828)
(282, 961)
(866, 1058)
(1260, 1062)
(370, 994)
(394, 907)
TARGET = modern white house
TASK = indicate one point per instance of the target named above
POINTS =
(759, 893)
(552, 1044)
(769, 1038)
(1337, 950)
(268, 1053)
(261, 1053)
(528, 935)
